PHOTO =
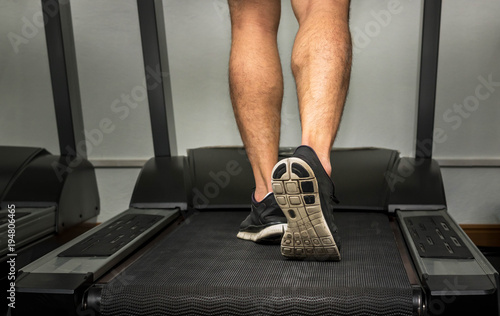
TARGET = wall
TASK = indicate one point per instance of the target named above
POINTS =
(111, 72)
(27, 117)
(468, 109)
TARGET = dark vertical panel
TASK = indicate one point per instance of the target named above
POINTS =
(428, 77)
(64, 77)
(157, 76)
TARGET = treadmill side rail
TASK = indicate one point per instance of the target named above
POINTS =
(37, 300)
(31, 225)
(41, 280)
(455, 283)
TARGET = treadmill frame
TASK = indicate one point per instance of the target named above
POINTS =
(161, 128)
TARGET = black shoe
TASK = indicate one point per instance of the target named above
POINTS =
(306, 194)
(266, 222)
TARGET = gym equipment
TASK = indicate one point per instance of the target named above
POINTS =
(402, 253)
(44, 196)
(175, 251)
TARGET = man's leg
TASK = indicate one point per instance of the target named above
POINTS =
(321, 63)
(256, 84)
(302, 186)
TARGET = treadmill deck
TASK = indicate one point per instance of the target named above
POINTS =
(202, 268)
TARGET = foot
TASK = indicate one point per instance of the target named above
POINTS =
(266, 222)
(306, 194)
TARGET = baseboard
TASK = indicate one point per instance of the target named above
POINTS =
(483, 235)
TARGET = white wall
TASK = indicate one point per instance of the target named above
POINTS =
(27, 116)
(116, 186)
(472, 194)
(112, 84)
(467, 110)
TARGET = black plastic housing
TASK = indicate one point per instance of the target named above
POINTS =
(44, 180)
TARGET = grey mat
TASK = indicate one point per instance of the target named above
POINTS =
(203, 269)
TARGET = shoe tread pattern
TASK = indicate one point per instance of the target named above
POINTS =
(307, 235)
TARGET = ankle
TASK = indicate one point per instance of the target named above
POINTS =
(325, 162)
(260, 194)
(323, 155)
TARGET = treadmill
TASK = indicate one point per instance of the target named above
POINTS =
(43, 197)
(175, 251)
(38, 202)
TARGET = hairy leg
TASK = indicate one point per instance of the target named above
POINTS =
(321, 64)
(256, 84)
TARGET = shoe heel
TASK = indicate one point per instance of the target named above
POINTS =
(296, 190)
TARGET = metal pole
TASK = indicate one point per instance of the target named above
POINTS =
(154, 48)
(428, 78)
(64, 77)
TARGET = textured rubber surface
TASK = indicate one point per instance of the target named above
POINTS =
(201, 269)
(307, 234)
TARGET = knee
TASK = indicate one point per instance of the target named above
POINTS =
(256, 16)
(310, 9)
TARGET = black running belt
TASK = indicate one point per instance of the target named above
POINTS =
(203, 269)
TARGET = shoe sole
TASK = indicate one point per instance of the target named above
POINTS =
(270, 234)
(307, 235)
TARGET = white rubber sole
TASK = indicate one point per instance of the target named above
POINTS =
(307, 235)
(267, 234)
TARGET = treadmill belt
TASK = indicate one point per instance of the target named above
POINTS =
(203, 269)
